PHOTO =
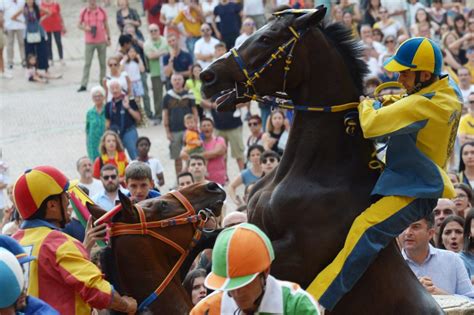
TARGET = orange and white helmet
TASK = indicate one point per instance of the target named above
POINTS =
(35, 186)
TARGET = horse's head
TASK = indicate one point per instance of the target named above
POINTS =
(150, 241)
(258, 66)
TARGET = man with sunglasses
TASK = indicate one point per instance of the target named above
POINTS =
(111, 182)
(205, 46)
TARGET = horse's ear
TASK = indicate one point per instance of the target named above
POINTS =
(309, 19)
(127, 207)
(95, 210)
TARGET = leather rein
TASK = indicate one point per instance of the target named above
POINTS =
(198, 219)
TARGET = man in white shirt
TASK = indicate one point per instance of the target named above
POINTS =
(108, 198)
(205, 46)
(366, 36)
(84, 168)
(14, 29)
(465, 85)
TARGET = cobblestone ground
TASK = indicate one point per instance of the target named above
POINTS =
(44, 123)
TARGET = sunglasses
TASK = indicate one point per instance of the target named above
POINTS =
(249, 24)
(252, 124)
(153, 30)
(112, 65)
(107, 177)
(271, 160)
(205, 30)
(389, 41)
(471, 102)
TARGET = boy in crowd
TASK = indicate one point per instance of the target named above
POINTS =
(143, 148)
(192, 141)
(140, 182)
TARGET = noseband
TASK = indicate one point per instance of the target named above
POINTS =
(147, 228)
(286, 49)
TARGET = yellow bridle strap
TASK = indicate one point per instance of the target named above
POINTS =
(386, 85)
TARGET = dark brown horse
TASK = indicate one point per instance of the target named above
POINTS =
(142, 262)
(323, 182)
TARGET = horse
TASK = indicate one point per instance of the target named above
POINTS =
(150, 241)
(326, 175)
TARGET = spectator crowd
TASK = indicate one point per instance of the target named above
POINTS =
(152, 78)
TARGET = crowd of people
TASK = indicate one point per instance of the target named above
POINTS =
(152, 78)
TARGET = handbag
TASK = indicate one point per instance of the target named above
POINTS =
(33, 37)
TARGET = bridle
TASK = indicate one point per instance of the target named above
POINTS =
(284, 50)
(198, 219)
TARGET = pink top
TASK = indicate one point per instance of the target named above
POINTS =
(94, 18)
(216, 168)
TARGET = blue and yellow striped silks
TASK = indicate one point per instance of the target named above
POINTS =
(370, 233)
(421, 129)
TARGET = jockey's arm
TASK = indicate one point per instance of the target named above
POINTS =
(403, 117)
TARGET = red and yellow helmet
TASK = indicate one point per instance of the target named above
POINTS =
(35, 186)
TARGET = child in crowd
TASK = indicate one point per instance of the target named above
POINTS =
(140, 182)
(32, 73)
(193, 85)
(133, 65)
(192, 141)
(143, 148)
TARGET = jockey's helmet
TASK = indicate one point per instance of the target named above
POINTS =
(12, 281)
(35, 186)
(416, 54)
(240, 254)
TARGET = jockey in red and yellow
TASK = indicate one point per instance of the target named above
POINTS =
(421, 129)
(62, 274)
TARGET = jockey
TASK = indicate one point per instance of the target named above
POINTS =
(241, 261)
(62, 274)
(421, 127)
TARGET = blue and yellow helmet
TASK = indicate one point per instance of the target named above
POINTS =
(416, 54)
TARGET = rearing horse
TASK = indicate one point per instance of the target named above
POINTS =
(323, 182)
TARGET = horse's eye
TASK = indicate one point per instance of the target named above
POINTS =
(265, 39)
(163, 205)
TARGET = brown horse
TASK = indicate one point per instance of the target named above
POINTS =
(141, 263)
(323, 181)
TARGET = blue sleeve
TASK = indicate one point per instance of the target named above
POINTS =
(166, 59)
(134, 105)
(37, 306)
(463, 283)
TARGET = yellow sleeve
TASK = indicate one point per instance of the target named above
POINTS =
(402, 117)
(178, 18)
(463, 125)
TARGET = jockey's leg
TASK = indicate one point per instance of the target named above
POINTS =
(371, 231)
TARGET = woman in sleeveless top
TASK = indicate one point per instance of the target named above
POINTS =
(466, 164)
(249, 175)
(276, 126)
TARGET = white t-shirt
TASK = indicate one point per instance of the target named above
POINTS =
(171, 11)
(411, 12)
(205, 48)
(208, 7)
(95, 187)
(465, 94)
(391, 29)
(395, 5)
(123, 83)
(253, 7)
(241, 39)
(10, 8)
(133, 70)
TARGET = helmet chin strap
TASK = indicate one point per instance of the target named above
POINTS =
(421, 85)
(256, 304)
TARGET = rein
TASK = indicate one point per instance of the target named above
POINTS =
(286, 49)
(146, 228)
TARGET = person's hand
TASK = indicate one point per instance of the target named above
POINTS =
(131, 304)
(127, 21)
(94, 234)
(169, 135)
(238, 201)
(126, 103)
(430, 287)
(108, 42)
(87, 28)
(219, 35)
(7, 214)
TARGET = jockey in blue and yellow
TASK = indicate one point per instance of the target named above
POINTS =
(421, 127)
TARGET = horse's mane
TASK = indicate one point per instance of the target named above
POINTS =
(350, 49)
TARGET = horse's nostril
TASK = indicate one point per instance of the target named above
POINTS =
(213, 186)
(207, 76)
